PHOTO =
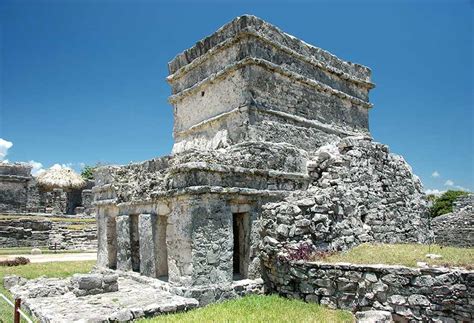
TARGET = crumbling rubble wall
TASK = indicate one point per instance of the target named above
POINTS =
(358, 193)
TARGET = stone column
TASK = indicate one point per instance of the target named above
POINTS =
(146, 229)
(124, 257)
(106, 236)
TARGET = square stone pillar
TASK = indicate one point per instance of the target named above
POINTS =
(147, 229)
(124, 257)
(106, 237)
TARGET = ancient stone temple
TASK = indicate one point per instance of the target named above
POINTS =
(265, 127)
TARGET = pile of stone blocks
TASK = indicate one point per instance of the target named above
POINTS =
(91, 284)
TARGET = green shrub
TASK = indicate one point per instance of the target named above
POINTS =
(444, 203)
(88, 172)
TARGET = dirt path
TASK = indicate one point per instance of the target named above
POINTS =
(56, 257)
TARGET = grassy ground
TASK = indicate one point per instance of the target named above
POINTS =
(259, 309)
(27, 251)
(405, 254)
(50, 269)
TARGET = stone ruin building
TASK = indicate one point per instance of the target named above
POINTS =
(20, 192)
(272, 148)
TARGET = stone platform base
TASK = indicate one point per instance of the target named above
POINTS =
(57, 303)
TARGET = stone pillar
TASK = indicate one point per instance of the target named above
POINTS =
(146, 229)
(124, 257)
(106, 236)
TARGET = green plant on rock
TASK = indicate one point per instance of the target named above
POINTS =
(88, 172)
(444, 203)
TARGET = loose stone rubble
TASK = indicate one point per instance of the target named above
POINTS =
(91, 284)
(456, 228)
(358, 193)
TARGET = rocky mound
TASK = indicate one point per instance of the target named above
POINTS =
(359, 192)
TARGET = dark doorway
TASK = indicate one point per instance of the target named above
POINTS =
(134, 243)
(241, 254)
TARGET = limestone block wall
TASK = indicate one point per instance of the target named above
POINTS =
(411, 294)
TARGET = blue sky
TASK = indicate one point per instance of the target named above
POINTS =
(84, 81)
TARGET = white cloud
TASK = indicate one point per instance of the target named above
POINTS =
(435, 174)
(4, 146)
(434, 192)
(449, 183)
(37, 167)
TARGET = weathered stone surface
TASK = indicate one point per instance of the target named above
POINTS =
(91, 284)
(124, 257)
(148, 249)
(373, 317)
(359, 192)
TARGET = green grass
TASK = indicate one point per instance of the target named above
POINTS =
(27, 251)
(49, 269)
(257, 308)
(405, 254)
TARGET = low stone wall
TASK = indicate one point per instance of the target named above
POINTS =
(408, 293)
(31, 231)
(454, 229)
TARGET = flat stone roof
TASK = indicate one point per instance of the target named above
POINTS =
(259, 27)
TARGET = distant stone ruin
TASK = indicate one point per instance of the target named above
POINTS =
(21, 193)
(272, 148)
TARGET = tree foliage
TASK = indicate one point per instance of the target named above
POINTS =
(88, 172)
(444, 203)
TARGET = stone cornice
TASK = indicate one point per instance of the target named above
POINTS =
(251, 32)
(217, 168)
(333, 129)
(271, 67)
